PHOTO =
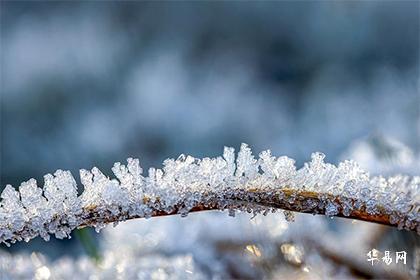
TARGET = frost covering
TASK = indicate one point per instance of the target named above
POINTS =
(190, 184)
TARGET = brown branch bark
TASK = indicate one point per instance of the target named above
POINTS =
(285, 199)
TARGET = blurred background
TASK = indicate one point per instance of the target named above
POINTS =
(88, 84)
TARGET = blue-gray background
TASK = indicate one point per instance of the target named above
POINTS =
(88, 84)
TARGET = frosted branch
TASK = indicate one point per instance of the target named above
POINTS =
(188, 184)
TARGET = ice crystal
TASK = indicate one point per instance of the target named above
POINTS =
(289, 216)
(187, 184)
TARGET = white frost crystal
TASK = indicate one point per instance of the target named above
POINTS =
(187, 183)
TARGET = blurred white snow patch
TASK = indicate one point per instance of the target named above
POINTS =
(112, 266)
(384, 155)
(206, 235)
(195, 230)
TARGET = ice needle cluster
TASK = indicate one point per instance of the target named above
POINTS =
(189, 184)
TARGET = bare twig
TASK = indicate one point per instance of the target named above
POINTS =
(284, 199)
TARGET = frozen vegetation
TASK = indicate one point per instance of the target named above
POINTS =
(255, 185)
(87, 84)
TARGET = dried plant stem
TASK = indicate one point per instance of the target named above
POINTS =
(285, 199)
